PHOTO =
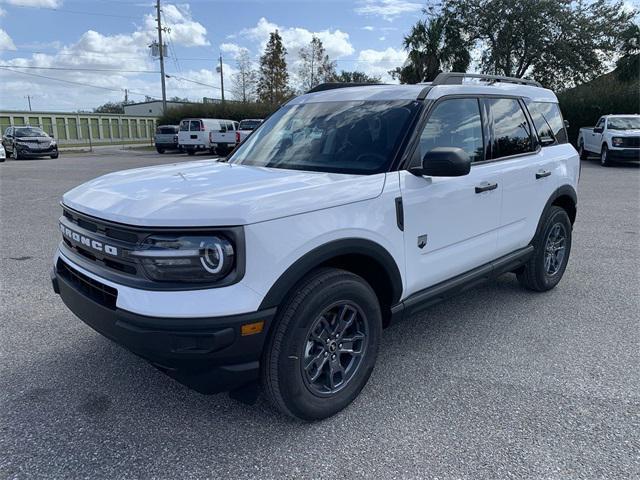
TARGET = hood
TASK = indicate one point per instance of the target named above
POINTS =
(624, 133)
(209, 193)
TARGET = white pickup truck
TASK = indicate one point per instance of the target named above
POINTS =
(246, 127)
(615, 137)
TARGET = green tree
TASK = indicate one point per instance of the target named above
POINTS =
(434, 45)
(315, 65)
(243, 82)
(273, 81)
(110, 107)
(628, 65)
(559, 42)
(356, 77)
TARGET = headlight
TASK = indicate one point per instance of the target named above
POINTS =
(167, 258)
(617, 141)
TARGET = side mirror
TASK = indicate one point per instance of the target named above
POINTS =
(444, 162)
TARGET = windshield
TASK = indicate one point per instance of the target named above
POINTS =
(30, 132)
(249, 124)
(359, 137)
(624, 123)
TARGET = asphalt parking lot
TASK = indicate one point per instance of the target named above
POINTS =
(497, 383)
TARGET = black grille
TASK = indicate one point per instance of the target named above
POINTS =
(631, 142)
(124, 239)
(96, 291)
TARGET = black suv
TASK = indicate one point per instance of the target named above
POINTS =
(27, 141)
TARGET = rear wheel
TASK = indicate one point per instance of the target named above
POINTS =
(552, 246)
(604, 157)
(160, 150)
(582, 151)
(55, 155)
(191, 152)
(323, 346)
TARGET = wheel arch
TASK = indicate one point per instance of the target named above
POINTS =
(363, 257)
(564, 197)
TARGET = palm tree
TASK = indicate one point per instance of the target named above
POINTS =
(433, 46)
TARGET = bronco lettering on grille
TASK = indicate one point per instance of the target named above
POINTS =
(88, 242)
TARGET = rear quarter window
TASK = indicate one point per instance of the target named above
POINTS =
(184, 126)
(548, 121)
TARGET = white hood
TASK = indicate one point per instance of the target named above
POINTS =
(208, 193)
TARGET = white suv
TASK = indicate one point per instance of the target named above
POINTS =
(347, 209)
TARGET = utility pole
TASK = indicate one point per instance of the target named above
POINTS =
(161, 48)
(126, 96)
(28, 97)
(221, 78)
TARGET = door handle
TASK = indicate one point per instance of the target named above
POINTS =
(485, 187)
(542, 174)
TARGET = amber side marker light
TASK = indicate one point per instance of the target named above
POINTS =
(251, 328)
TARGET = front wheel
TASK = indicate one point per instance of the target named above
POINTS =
(191, 152)
(160, 150)
(604, 157)
(552, 246)
(15, 154)
(54, 156)
(323, 346)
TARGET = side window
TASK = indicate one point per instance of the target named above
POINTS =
(511, 131)
(600, 123)
(548, 122)
(454, 123)
(184, 126)
(230, 126)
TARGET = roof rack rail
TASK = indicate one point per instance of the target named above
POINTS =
(456, 78)
(334, 85)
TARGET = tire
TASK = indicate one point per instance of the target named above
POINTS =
(299, 335)
(54, 156)
(604, 157)
(191, 152)
(582, 151)
(15, 154)
(160, 150)
(544, 270)
(2, 160)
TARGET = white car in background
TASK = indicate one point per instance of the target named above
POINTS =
(247, 126)
(218, 136)
(3, 154)
(614, 138)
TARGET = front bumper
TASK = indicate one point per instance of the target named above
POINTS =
(26, 151)
(209, 355)
(624, 154)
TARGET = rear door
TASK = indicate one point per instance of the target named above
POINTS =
(195, 135)
(529, 164)
(450, 223)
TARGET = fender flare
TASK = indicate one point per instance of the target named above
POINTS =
(563, 191)
(324, 253)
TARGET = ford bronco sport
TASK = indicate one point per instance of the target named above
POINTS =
(347, 209)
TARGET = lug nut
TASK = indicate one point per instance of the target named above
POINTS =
(326, 354)
(340, 345)
(333, 357)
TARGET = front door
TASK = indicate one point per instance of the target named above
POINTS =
(450, 223)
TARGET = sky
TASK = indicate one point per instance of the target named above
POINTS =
(100, 47)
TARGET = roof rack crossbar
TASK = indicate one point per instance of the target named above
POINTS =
(456, 78)
(334, 85)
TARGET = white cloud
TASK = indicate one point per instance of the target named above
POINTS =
(232, 49)
(3, 12)
(388, 9)
(5, 41)
(336, 42)
(379, 62)
(95, 50)
(35, 3)
(368, 28)
(184, 30)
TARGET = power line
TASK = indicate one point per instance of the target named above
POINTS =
(72, 82)
(78, 12)
(79, 69)
(193, 81)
